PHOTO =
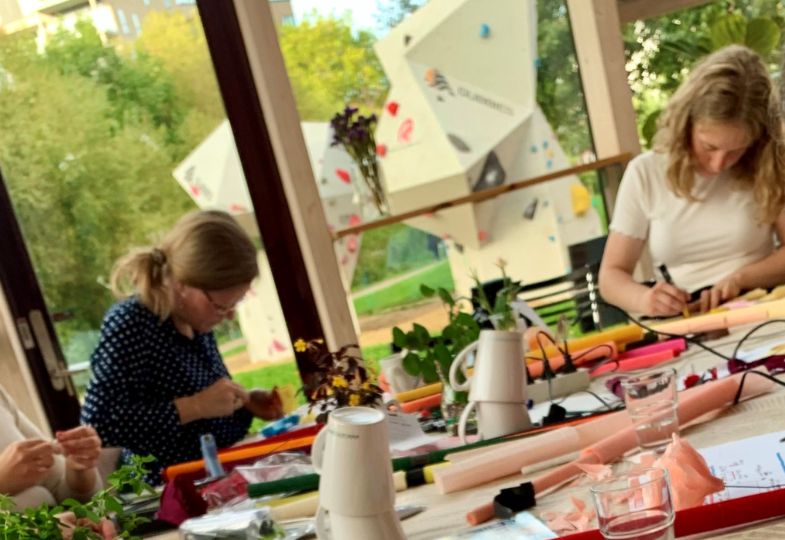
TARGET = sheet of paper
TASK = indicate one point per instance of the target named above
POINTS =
(405, 432)
(761, 351)
(758, 463)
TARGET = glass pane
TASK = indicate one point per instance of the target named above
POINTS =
(661, 50)
(113, 127)
(486, 95)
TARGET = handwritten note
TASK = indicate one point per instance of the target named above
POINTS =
(753, 465)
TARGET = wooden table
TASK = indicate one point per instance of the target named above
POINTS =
(446, 513)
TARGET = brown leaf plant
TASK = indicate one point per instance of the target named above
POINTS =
(340, 379)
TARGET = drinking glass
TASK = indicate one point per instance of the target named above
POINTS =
(652, 403)
(635, 505)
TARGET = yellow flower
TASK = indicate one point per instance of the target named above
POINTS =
(340, 382)
(366, 385)
(300, 345)
(354, 400)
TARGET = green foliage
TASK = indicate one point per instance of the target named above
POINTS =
(390, 251)
(501, 313)
(431, 356)
(45, 522)
(404, 292)
(329, 66)
(662, 50)
(559, 89)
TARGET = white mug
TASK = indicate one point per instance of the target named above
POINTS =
(397, 377)
(495, 419)
(352, 455)
(385, 526)
(499, 373)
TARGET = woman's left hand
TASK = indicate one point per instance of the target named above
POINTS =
(265, 404)
(81, 447)
(722, 291)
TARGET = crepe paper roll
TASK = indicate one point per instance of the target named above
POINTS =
(631, 364)
(717, 516)
(422, 403)
(619, 335)
(509, 458)
(230, 455)
(607, 349)
(421, 392)
(295, 507)
(383, 384)
(481, 514)
(726, 319)
(693, 403)
(498, 462)
(678, 345)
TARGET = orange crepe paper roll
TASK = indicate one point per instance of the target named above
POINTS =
(422, 403)
(607, 349)
(229, 455)
(619, 335)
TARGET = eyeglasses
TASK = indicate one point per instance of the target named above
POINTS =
(220, 309)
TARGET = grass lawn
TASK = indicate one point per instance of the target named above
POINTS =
(405, 291)
(287, 374)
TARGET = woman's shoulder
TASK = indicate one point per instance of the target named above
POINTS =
(650, 163)
(129, 312)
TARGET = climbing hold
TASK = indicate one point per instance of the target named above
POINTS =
(485, 30)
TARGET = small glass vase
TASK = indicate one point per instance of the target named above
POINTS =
(453, 404)
(369, 191)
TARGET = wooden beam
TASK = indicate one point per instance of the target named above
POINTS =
(599, 48)
(638, 10)
(294, 167)
(484, 195)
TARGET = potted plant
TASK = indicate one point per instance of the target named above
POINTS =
(340, 379)
(431, 356)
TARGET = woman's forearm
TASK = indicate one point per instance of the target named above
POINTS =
(617, 287)
(82, 482)
(767, 272)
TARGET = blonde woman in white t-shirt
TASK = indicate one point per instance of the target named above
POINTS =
(708, 201)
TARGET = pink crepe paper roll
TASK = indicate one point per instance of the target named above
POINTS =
(693, 403)
(676, 345)
(509, 458)
(747, 315)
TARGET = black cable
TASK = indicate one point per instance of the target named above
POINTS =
(744, 378)
(587, 351)
(752, 331)
(686, 337)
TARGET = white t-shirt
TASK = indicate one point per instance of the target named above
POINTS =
(700, 242)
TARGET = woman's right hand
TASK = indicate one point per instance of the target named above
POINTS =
(24, 464)
(663, 300)
(221, 398)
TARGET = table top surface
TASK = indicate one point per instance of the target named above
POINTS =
(445, 514)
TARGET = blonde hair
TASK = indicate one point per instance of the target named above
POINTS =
(730, 85)
(205, 249)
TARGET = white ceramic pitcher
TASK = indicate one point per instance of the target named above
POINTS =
(352, 455)
(497, 388)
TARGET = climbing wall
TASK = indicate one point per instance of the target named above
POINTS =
(462, 117)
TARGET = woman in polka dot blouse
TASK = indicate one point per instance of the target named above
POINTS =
(158, 381)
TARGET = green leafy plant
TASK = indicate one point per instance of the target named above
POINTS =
(500, 313)
(430, 356)
(47, 522)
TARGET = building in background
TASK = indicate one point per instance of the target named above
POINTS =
(112, 18)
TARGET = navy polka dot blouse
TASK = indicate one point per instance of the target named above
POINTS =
(138, 369)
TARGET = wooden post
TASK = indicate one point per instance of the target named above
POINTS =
(302, 194)
(596, 31)
(261, 110)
